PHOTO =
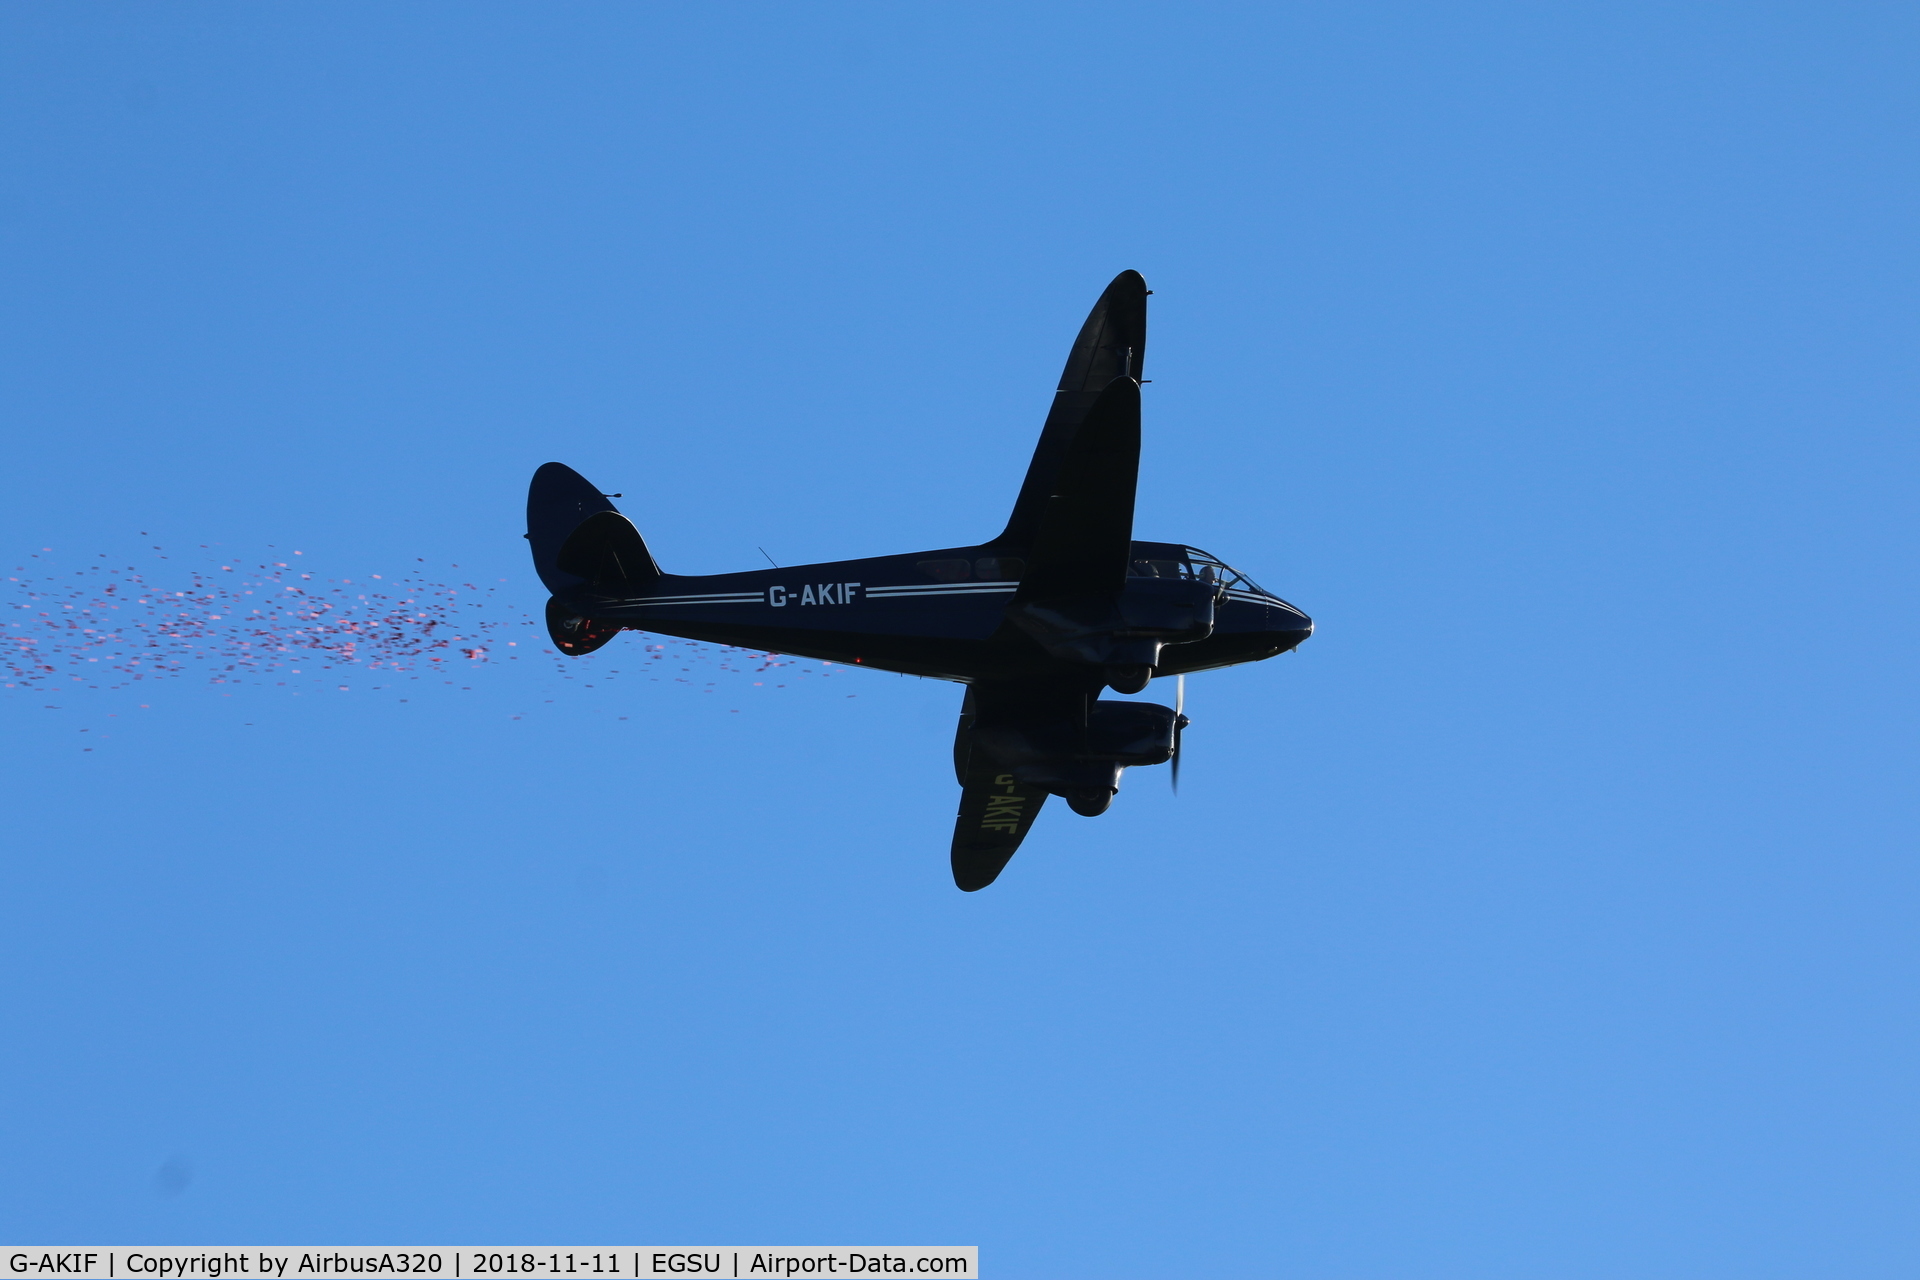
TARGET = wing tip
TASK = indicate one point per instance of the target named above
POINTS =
(974, 878)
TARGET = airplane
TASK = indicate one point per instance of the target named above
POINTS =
(1035, 622)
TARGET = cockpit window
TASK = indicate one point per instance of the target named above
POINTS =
(1198, 566)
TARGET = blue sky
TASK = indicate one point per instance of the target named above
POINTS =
(1550, 913)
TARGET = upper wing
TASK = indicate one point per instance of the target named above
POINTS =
(1112, 344)
(1085, 531)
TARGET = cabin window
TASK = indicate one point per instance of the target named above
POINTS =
(1000, 568)
(1197, 567)
(944, 570)
(1209, 568)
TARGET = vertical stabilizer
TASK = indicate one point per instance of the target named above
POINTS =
(580, 540)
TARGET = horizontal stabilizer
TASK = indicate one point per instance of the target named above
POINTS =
(575, 635)
(607, 553)
(580, 539)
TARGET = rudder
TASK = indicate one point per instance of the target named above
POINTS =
(585, 551)
(579, 539)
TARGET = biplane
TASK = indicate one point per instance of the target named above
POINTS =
(1036, 622)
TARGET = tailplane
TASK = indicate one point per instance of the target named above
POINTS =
(585, 551)
(581, 542)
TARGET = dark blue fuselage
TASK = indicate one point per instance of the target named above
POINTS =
(1036, 622)
(897, 614)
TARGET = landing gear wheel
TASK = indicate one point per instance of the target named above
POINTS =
(1089, 804)
(1128, 679)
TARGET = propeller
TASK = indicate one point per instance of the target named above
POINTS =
(1180, 722)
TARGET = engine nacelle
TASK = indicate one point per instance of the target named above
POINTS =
(1122, 733)
(1081, 763)
(1130, 733)
(1123, 634)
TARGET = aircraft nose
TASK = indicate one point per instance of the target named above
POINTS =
(1287, 616)
(1287, 625)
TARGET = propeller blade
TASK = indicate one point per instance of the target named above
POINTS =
(1179, 723)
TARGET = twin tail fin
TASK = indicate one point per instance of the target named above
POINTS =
(583, 550)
